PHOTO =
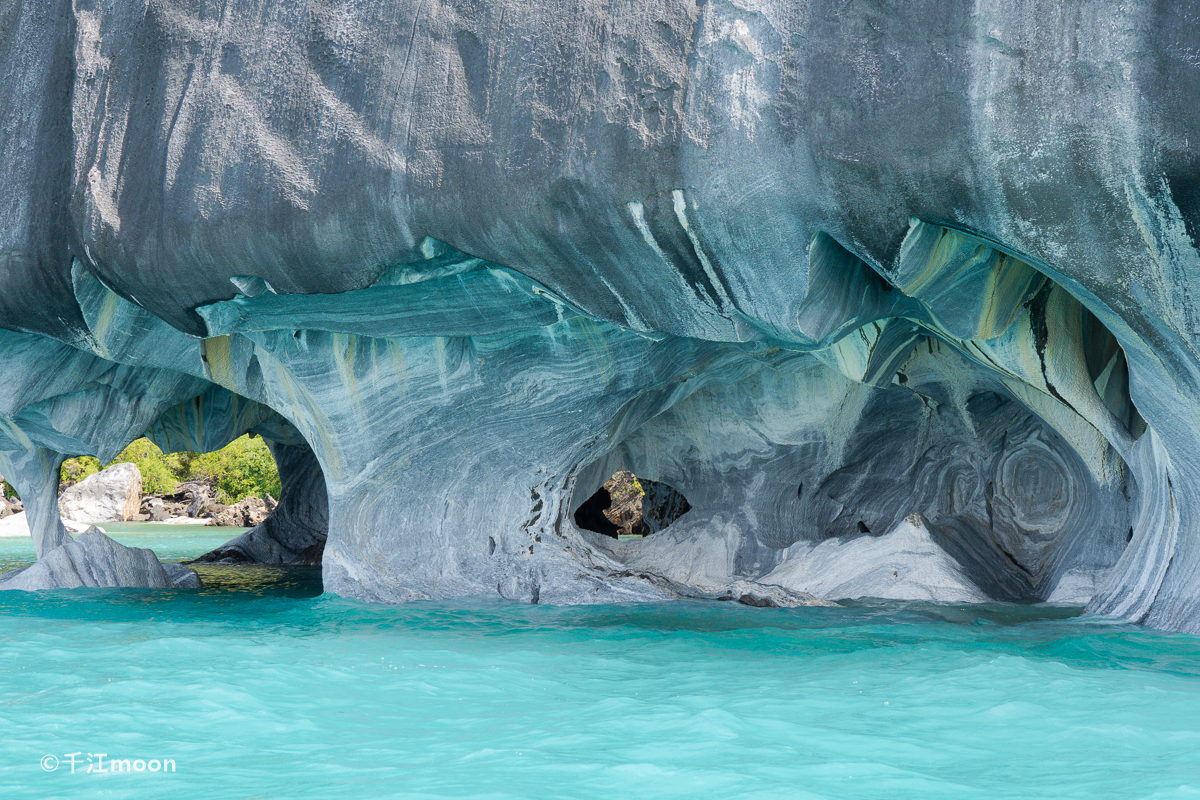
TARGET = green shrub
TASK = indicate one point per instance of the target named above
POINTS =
(243, 468)
(160, 472)
(76, 469)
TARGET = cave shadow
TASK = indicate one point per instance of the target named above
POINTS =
(627, 506)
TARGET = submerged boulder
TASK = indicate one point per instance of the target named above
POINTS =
(111, 495)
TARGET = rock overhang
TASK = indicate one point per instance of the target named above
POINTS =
(795, 247)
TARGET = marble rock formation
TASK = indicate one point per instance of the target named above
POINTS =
(110, 495)
(94, 560)
(903, 299)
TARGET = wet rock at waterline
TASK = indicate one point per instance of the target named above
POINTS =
(94, 560)
(836, 266)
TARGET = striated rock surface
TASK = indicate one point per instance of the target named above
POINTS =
(905, 564)
(111, 495)
(819, 267)
(92, 559)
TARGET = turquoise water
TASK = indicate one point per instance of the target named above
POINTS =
(182, 543)
(169, 542)
(264, 693)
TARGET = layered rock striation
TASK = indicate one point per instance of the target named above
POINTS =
(901, 300)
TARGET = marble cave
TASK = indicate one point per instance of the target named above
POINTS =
(904, 299)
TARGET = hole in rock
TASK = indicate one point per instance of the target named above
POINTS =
(630, 506)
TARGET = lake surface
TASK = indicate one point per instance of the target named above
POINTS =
(259, 688)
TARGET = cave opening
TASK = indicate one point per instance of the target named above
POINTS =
(1035, 492)
(627, 506)
(247, 470)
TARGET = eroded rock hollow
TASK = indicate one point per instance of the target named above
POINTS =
(903, 300)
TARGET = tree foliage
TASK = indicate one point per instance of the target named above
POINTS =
(243, 468)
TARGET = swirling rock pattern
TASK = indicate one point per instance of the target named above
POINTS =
(908, 287)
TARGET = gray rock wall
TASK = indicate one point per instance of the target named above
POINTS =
(935, 264)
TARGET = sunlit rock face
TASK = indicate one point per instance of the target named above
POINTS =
(901, 299)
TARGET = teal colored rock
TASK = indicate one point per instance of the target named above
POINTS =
(823, 269)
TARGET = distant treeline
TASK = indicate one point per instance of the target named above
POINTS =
(243, 468)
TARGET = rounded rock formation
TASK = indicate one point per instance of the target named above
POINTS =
(819, 267)
(111, 495)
